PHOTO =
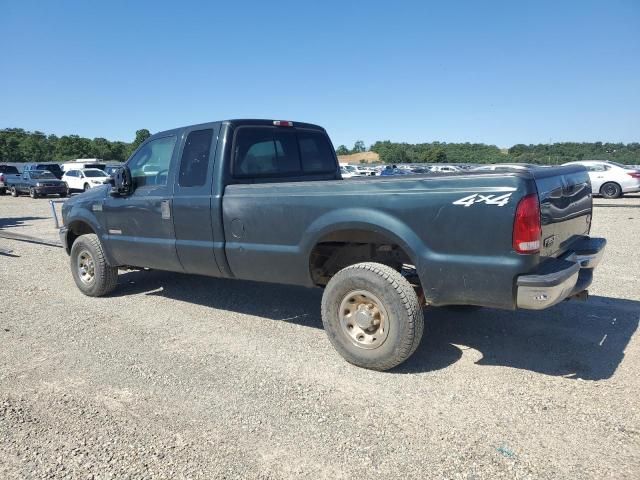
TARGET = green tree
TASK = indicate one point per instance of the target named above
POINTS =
(358, 147)
(342, 150)
(141, 136)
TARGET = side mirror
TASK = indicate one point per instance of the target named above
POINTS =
(121, 182)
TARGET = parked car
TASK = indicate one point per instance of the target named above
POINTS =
(346, 172)
(51, 166)
(8, 174)
(110, 169)
(272, 207)
(394, 170)
(84, 179)
(505, 166)
(38, 183)
(364, 171)
(610, 179)
(81, 164)
(444, 169)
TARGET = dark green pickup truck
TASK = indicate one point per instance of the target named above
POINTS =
(264, 200)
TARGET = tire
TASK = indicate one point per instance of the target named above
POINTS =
(91, 272)
(63, 195)
(611, 190)
(33, 193)
(3, 191)
(14, 192)
(396, 306)
(86, 187)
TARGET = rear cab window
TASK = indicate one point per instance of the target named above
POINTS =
(8, 169)
(269, 152)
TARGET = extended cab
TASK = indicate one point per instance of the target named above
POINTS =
(264, 200)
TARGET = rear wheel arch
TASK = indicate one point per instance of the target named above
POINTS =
(341, 248)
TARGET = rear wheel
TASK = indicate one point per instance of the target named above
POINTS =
(91, 272)
(611, 190)
(33, 193)
(372, 316)
(3, 191)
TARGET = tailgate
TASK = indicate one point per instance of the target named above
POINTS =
(565, 206)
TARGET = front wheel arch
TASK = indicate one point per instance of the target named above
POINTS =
(75, 230)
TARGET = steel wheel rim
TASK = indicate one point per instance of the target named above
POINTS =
(610, 190)
(86, 267)
(363, 319)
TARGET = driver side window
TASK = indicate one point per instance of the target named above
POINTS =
(150, 165)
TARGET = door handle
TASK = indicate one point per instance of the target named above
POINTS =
(165, 209)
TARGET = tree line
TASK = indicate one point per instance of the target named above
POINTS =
(18, 145)
(441, 152)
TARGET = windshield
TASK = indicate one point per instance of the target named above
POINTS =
(55, 168)
(42, 174)
(94, 172)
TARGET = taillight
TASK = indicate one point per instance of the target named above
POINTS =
(526, 226)
(634, 174)
(1, 177)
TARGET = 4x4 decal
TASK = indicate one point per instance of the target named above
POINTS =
(499, 200)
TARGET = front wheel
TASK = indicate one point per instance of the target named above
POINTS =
(611, 190)
(91, 272)
(14, 192)
(372, 316)
(33, 193)
(86, 187)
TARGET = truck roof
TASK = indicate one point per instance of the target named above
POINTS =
(239, 122)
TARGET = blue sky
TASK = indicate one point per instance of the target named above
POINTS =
(494, 72)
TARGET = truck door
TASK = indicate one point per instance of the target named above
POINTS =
(140, 226)
(192, 201)
(23, 183)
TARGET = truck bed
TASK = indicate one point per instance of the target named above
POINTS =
(456, 228)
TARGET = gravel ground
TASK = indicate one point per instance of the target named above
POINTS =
(188, 377)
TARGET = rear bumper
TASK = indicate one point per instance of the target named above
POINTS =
(560, 278)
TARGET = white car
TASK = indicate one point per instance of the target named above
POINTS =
(84, 179)
(347, 171)
(365, 170)
(444, 168)
(610, 179)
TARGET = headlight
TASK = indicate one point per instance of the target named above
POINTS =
(38, 184)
